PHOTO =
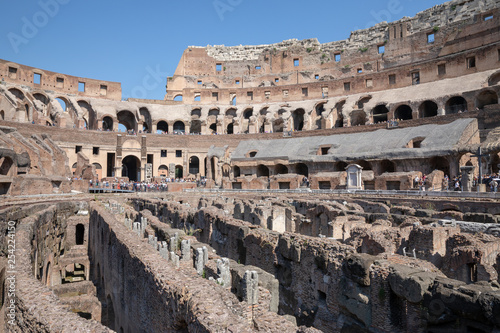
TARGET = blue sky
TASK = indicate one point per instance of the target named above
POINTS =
(139, 43)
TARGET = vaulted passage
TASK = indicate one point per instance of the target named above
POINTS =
(131, 167)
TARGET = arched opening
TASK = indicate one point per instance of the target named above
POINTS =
(236, 171)
(194, 165)
(248, 113)
(403, 112)
(179, 171)
(428, 109)
(41, 97)
(214, 112)
(98, 170)
(196, 113)
(281, 169)
(233, 101)
(92, 117)
(107, 123)
(487, 97)
(364, 164)
(278, 125)
(263, 111)
(340, 166)
(212, 167)
(361, 103)
(440, 163)
(298, 119)
(358, 118)
(230, 129)
(144, 112)
(213, 128)
(17, 93)
(494, 79)
(380, 113)
(456, 104)
(195, 127)
(27, 109)
(110, 314)
(163, 171)
(387, 166)
(127, 120)
(131, 168)
(320, 108)
(231, 113)
(262, 171)
(302, 169)
(79, 234)
(2, 115)
(178, 98)
(162, 127)
(495, 163)
(179, 127)
(226, 170)
(6, 166)
(62, 103)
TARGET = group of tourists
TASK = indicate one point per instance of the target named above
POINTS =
(144, 186)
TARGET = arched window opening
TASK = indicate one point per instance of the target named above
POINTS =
(403, 112)
(428, 109)
(162, 127)
(262, 171)
(302, 169)
(179, 127)
(107, 124)
(486, 98)
(456, 104)
(236, 171)
(281, 169)
(178, 98)
(380, 114)
(340, 166)
(387, 166)
(298, 119)
(358, 118)
(230, 129)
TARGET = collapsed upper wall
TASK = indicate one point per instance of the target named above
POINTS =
(43, 80)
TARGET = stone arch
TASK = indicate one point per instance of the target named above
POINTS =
(214, 112)
(107, 123)
(298, 119)
(179, 171)
(179, 127)
(456, 104)
(403, 112)
(302, 169)
(358, 117)
(213, 128)
(427, 109)
(248, 113)
(17, 93)
(236, 171)
(362, 101)
(147, 125)
(161, 127)
(194, 165)
(264, 111)
(231, 112)
(131, 168)
(380, 113)
(319, 108)
(262, 171)
(364, 164)
(226, 170)
(494, 79)
(127, 119)
(6, 166)
(92, 116)
(280, 169)
(340, 166)
(40, 96)
(196, 113)
(63, 102)
(387, 166)
(440, 163)
(79, 234)
(163, 171)
(98, 170)
(178, 98)
(486, 97)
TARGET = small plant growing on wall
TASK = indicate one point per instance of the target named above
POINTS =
(309, 49)
(435, 29)
(363, 49)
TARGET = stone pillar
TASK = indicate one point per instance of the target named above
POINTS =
(250, 287)
(175, 259)
(186, 249)
(224, 273)
(467, 178)
(153, 241)
(164, 250)
(172, 245)
(201, 260)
